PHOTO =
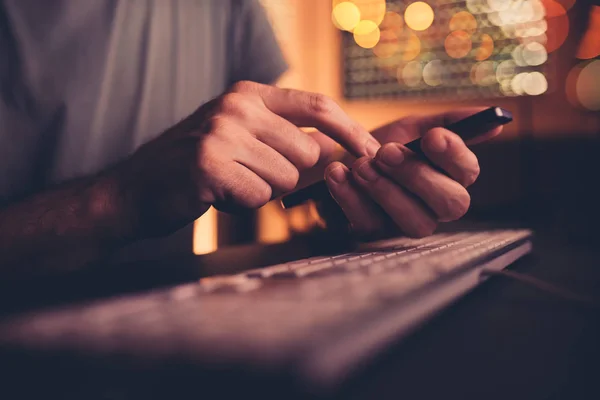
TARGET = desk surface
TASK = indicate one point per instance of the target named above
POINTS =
(503, 340)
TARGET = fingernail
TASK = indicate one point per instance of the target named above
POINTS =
(391, 155)
(372, 147)
(438, 143)
(367, 172)
(338, 175)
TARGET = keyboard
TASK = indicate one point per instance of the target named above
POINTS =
(318, 318)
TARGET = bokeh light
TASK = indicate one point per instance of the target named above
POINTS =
(458, 44)
(590, 44)
(366, 34)
(433, 73)
(464, 21)
(517, 83)
(534, 83)
(499, 5)
(534, 54)
(506, 70)
(345, 16)
(571, 84)
(588, 86)
(371, 10)
(411, 47)
(419, 16)
(484, 74)
(558, 25)
(392, 21)
(411, 74)
(388, 44)
(485, 49)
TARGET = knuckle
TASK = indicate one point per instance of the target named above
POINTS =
(243, 86)
(290, 180)
(258, 196)
(471, 175)
(457, 206)
(230, 102)
(320, 104)
(310, 154)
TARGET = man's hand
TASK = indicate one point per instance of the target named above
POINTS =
(236, 152)
(399, 190)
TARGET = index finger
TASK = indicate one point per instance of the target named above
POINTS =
(316, 110)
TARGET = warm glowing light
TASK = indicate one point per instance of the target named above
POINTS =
(419, 16)
(433, 73)
(498, 5)
(558, 24)
(517, 83)
(517, 55)
(371, 10)
(534, 54)
(458, 44)
(464, 21)
(534, 83)
(205, 233)
(346, 16)
(485, 49)
(590, 44)
(506, 70)
(411, 47)
(272, 224)
(388, 44)
(567, 4)
(571, 84)
(588, 86)
(393, 22)
(411, 74)
(478, 6)
(483, 74)
(366, 34)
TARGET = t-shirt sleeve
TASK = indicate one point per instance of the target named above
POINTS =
(254, 53)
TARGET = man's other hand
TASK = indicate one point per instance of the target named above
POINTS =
(397, 191)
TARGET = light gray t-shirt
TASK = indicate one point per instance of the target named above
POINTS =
(84, 83)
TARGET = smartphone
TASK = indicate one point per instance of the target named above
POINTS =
(468, 128)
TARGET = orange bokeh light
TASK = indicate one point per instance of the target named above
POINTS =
(485, 49)
(463, 20)
(458, 44)
(558, 24)
(411, 47)
(590, 44)
(388, 44)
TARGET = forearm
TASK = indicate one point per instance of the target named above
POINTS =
(63, 228)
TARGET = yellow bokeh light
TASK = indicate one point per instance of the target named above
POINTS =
(411, 47)
(367, 34)
(345, 16)
(419, 16)
(371, 10)
(458, 44)
(485, 49)
(588, 86)
(463, 21)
